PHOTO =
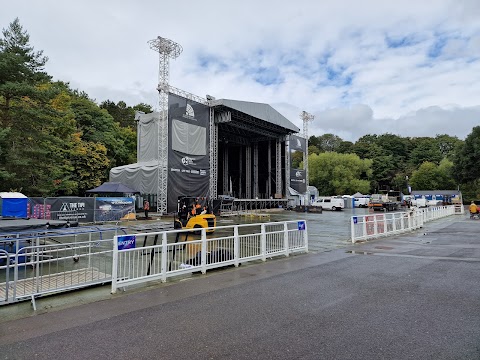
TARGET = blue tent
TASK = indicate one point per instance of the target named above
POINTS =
(13, 204)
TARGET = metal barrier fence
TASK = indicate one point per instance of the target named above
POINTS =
(171, 253)
(35, 266)
(375, 225)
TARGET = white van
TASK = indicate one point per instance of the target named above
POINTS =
(361, 202)
(329, 203)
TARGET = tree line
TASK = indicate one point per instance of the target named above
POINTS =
(392, 162)
(55, 140)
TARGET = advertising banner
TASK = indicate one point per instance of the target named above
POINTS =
(62, 208)
(298, 180)
(298, 177)
(113, 208)
(188, 149)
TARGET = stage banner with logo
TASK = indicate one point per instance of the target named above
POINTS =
(298, 176)
(188, 149)
(62, 208)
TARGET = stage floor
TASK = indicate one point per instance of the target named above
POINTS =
(20, 225)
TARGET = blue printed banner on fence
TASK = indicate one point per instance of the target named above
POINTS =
(301, 225)
(126, 242)
(355, 220)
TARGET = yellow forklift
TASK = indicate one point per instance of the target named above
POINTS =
(203, 216)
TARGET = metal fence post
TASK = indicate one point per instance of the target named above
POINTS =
(263, 242)
(305, 236)
(164, 257)
(204, 251)
(364, 227)
(114, 264)
(285, 239)
(352, 229)
(236, 246)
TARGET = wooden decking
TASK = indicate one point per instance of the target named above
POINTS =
(52, 283)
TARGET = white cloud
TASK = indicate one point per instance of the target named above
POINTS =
(361, 67)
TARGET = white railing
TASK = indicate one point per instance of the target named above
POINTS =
(375, 225)
(5, 269)
(43, 269)
(32, 266)
(178, 252)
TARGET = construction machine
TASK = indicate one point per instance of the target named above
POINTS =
(202, 217)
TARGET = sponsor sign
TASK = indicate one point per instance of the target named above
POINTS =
(126, 242)
(188, 149)
(355, 220)
(301, 225)
(298, 178)
(68, 208)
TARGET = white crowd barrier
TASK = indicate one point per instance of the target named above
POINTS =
(33, 266)
(146, 257)
(371, 226)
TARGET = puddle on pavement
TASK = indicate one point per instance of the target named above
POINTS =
(355, 252)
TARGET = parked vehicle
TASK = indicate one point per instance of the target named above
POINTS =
(361, 202)
(385, 201)
(420, 202)
(329, 203)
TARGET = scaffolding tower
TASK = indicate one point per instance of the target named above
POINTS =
(167, 49)
(306, 117)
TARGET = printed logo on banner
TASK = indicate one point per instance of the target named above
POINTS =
(301, 225)
(126, 242)
(188, 161)
(189, 113)
(355, 220)
(298, 174)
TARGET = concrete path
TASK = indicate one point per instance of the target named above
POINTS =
(408, 297)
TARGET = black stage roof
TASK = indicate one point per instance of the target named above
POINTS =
(244, 122)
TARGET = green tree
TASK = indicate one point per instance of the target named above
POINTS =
(345, 147)
(34, 136)
(312, 149)
(98, 126)
(430, 176)
(332, 173)
(425, 149)
(328, 142)
(467, 158)
(425, 178)
(448, 145)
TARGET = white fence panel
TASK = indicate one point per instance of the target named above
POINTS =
(375, 225)
(186, 251)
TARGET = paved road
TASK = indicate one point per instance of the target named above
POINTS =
(408, 297)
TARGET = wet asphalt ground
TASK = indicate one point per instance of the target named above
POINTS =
(414, 296)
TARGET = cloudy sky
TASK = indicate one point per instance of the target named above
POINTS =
(410, 68)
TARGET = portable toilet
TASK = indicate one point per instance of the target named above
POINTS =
(13, 204)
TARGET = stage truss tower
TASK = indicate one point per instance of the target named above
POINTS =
(167, 49)
(306, 117)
